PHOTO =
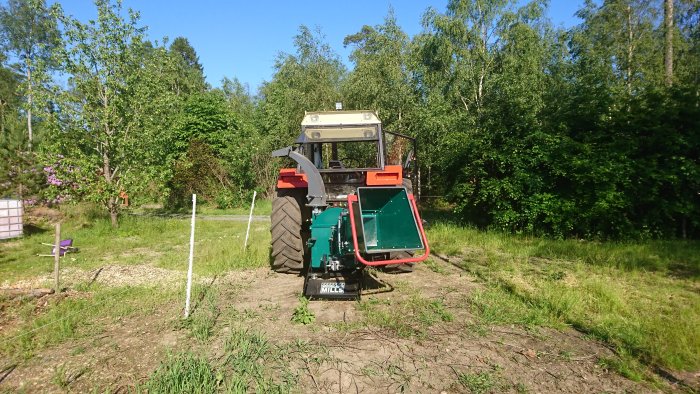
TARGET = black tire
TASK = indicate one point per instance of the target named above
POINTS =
(287, 241)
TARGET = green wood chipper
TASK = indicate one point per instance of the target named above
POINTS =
(347, 204)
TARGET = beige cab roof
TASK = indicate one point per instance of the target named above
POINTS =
(334, 118)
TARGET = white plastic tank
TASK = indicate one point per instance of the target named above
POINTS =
(10, 218)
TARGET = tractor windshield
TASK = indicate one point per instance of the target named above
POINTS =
(351, 154)
(338, 148)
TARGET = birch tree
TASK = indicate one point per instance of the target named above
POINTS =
(29, 32)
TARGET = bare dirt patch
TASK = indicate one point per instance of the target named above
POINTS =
(111, 360)
(342, 350)
(364, 358)
(109, 275)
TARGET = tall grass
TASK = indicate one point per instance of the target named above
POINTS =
(642, 297)
(183, 373)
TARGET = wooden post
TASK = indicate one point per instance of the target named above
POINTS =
(57, 257)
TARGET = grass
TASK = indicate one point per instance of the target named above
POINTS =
(641, 298)
(478, 383)
(82, 315)
(90, 308)
(408, 318)
(162, 242)
(263, 207)
(250, 359)
(249, 364)
(204, 314)
(183, 373)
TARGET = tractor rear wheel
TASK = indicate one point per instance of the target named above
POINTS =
(286, 230)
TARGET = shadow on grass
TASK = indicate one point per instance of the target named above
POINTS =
(673, 257)
(202, 294)
(30, 229)
(372, 285)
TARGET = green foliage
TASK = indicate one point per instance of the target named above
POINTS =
(564, 133)
(522, 126)
(302, 314)
(102, 57)
(380, 80)
(190, 74)
(306, 81)
(29, 31)
(213, 152)
(21, 175)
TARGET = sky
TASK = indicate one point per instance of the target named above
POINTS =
(242, 39)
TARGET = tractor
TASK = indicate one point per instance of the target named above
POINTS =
(348, 204)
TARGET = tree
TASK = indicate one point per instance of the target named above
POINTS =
(239, 97)
(28, 30)
(9, 80)
(668, 35)
(380, 79)
(190, 74)
(102, 58)
(306, 81)
(464, 43)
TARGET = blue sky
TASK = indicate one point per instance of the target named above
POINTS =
(242, 38)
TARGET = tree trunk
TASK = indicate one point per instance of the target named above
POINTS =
(113, 213)
(112, 206)
(668, 53)
(29, 107)
(630, 49)
(2, 118)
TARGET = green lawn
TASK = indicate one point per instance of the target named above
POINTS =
(162, 242)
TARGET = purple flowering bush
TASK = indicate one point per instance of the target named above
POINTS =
(63, 181)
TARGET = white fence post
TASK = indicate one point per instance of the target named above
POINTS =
(189, 269)
(250, 219)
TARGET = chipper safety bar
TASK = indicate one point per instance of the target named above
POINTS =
(389, 222)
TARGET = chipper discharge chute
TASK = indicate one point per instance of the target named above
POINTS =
(343, 207)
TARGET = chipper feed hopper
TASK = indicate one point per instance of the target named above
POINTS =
(346, 205)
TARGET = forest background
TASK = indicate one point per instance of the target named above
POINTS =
(591, 131)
